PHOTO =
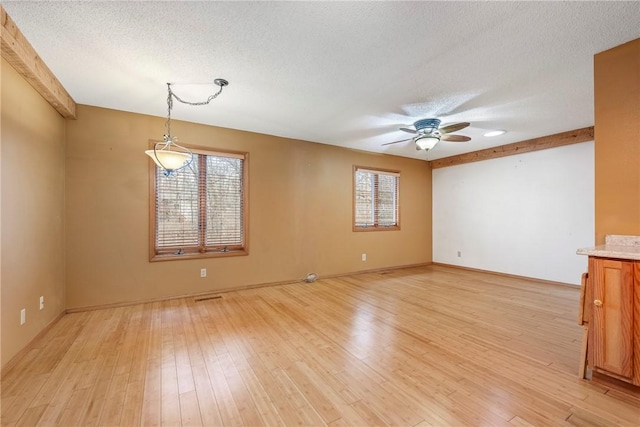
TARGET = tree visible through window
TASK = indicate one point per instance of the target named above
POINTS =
(375, 199)
(201, 211)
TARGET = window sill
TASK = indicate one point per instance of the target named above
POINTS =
(375, 228)
(197, 255)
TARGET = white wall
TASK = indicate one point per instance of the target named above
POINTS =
(524, 215)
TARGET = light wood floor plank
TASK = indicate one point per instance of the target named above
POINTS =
(151, 414)
(170, 403)
(425, 346)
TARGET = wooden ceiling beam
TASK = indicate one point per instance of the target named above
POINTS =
(542, 143)
(18, 52)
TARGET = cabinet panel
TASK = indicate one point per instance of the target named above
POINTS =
(612, 310)
(636, 325)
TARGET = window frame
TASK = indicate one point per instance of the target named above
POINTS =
(376, 226)
(169, 253)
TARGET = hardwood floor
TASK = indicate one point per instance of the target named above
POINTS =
(422, 346)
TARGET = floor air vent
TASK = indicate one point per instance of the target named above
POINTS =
(208, 298)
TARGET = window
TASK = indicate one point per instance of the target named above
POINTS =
(375, 204)
(202, 210)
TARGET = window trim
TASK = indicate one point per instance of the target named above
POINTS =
(153, 253)
(375, 227)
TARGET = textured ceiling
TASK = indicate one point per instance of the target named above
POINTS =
(341, 73)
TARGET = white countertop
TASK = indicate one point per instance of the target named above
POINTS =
(621, 247)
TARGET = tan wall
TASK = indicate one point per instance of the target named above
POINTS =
(299, 220)
(32, 171)
(617, 140)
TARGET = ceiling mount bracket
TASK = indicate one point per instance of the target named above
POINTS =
(423, 124)
(221, 82)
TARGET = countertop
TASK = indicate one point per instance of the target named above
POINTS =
(616, 246)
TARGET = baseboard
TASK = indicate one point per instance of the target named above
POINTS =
(238, 288)
(616, 384)
(512, 276)
(172, 297)
(22, 353)
(377, 270)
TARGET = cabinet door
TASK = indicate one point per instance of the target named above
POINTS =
(636, 325)
(612, 314)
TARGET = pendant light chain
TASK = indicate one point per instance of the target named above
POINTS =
(168, 154)
(171, 95)
(169, 107)
(209, 99)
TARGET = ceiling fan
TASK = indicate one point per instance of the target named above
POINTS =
(428, 133)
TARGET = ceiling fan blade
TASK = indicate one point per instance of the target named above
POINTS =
(453, 127)
(455, 138)
(409, 130)
(395, 142)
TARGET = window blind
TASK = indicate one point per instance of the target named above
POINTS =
(201, 209)
(177, 208)
(376, 198)
(365, 197)
(224, 201)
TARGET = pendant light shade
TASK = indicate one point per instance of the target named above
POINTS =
(427, 142)
(169, 160)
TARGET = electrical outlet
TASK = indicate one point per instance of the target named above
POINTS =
(459, 254)
(23, 316)
(203, 272)
(364, 257)
(42, 303)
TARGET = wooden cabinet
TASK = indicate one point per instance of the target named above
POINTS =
(613, 299)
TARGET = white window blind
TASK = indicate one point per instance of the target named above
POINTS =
(177, 208)
(201, 209)
(375, 199)
(224, 201)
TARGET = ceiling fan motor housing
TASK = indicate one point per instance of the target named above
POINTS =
(429, 125)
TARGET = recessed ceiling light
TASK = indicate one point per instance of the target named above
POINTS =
(495, 133)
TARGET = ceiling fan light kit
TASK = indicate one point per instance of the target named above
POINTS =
(426, 142)
(168, 154)
(428, 133)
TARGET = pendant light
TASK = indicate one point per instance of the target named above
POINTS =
(168, 154)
